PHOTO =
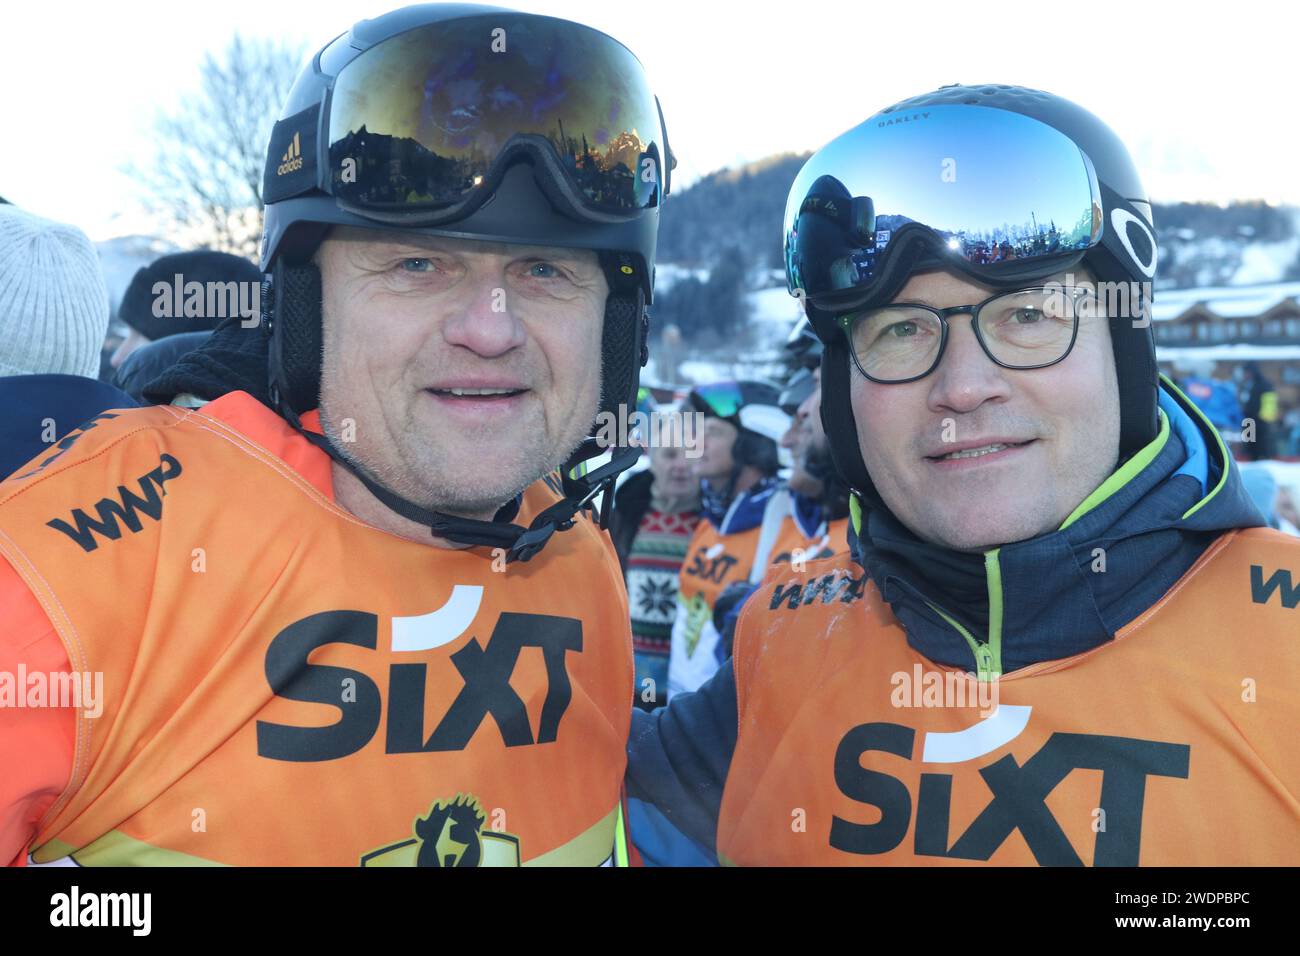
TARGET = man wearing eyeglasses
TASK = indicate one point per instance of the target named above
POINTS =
(954, 442)
(1064, 637)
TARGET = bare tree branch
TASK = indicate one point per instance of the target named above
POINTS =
(205, 173)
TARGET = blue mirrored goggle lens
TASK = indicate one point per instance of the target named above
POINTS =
(992, 186)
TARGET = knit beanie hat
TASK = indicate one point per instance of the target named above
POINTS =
(53, 302)
(189, 281)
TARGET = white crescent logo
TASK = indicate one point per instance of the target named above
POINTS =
(426, 631)
(1002, 726)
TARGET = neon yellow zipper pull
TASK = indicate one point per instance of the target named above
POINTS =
(985, 662)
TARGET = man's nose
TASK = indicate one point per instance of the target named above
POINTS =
(811, 406)
(966, 377)
(485, 322)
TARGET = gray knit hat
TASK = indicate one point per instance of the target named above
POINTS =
(53, 303)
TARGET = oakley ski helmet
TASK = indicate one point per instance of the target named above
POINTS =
(1003, 184)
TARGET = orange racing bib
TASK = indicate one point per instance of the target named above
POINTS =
(1172, 745)
(284, 684)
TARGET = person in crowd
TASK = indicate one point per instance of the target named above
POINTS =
(655, 514)
(737, 469)
(53, 315)
(1291, 429)
(818, 523)
(1216, 398)
(1259, 410)
(173, 304)
(1262, 488)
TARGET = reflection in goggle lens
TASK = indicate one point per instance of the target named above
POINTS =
(418, 121)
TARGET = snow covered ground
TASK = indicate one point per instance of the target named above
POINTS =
(668, 274)
(1285, 473)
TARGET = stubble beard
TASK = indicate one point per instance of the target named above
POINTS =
(426, 472)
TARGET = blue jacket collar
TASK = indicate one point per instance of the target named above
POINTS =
(808, 514)
(742, 512)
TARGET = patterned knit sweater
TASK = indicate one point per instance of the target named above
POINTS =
(653, 562)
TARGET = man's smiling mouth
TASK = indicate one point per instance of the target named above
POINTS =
(476, 392)
(978, 448)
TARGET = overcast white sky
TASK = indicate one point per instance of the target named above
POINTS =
(1204, 93)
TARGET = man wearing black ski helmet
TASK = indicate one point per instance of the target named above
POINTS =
(365, 541)
(859, 252)
(1048, 645)
(548, 137)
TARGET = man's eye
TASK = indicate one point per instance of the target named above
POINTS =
(417, 265)
(1028, 316)
(543, 270)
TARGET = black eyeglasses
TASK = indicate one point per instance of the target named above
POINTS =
(1024, 329)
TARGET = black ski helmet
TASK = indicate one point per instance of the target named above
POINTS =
(1117, 245)
(538, 184)
(521, 200)
(754, 408)
(802, 353)
(802, 349)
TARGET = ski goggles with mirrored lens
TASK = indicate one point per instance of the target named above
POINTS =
(421, 126)
(992, 192)
(723, 399)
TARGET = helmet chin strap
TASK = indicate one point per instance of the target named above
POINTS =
(519, 543)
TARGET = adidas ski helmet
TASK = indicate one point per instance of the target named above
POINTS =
(469, 122)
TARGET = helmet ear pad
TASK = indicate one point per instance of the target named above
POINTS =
(838, 421)
(292, 316)
(624, 348)
(1132, 339)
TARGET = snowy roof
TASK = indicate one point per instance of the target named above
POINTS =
(1229, 302)
(1223, 353)
(1285, 473)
